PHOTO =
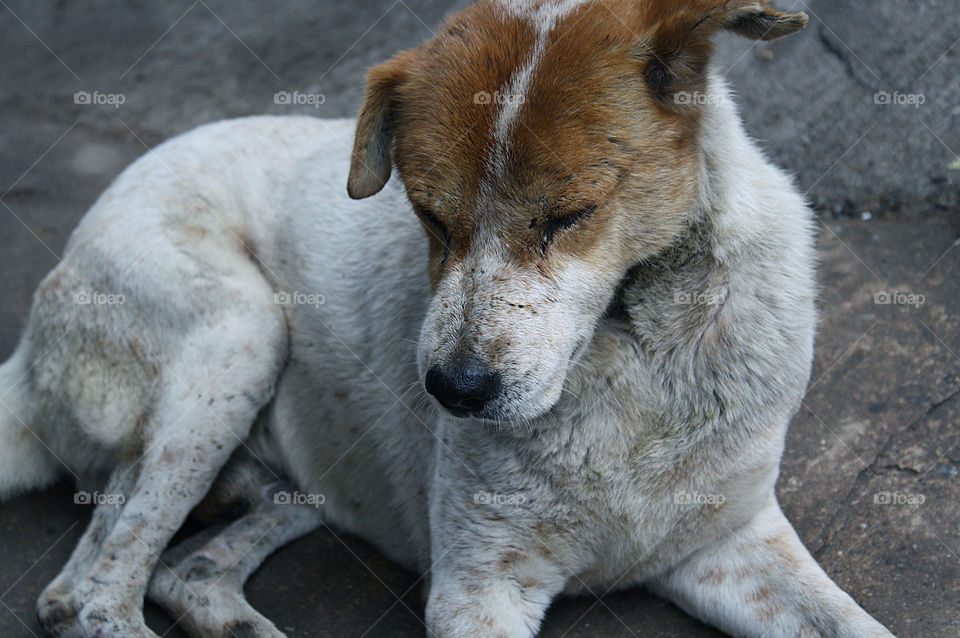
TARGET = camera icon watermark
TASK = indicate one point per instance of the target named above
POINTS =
(884, 298)
(97, 298)
(296, 98)
(298, 498)
(485, 97)
(698, 298)
(97, 98)
(898, 498)
(698, 98)
(499, 499)
(886, 98)
(97, 498)
(696, 498)
(297, 298)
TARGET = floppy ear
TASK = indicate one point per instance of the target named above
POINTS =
(680, 47)
(371, 161)
(755, 20)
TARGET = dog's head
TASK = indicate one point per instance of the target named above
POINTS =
(547, 147)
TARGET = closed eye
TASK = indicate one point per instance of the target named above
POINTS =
(555, 224)
(435, 227)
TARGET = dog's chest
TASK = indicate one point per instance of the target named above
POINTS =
(614, 494)
(625, 471)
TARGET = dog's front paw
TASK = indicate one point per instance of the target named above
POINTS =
(457, 616)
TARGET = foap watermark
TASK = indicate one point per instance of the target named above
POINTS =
(99, 99)
(698, 98)
(896, 298)
(483, 97)
(297, 298)
(696, 498)
(296, 98)
(898, 498)
(698, 298)
(298, 498)
(97, 298)
(499, 498)
(98, 498)
(886, 98)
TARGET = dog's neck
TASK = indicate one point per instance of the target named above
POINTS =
(714, 236)
(617, 308)
(691, 251)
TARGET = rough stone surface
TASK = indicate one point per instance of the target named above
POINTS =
(863, 105)
(870, 477)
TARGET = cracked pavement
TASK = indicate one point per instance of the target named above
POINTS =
(870, 476)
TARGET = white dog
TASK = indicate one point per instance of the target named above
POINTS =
(578, 378)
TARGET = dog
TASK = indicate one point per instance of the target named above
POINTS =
(547, 341)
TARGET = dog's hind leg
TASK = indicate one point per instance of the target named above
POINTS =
(200, 583)
(25, 463)
(761, 581)
(211, 393)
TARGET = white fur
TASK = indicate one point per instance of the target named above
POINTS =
(587, 492)
(26, 462)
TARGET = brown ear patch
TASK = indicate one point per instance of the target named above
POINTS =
(677, 53)
(371, 162)
(679, 46)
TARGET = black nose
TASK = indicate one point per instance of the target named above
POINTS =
(463, 386)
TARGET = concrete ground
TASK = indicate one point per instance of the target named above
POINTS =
(863, 107)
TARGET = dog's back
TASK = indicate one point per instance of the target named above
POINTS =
(172, 241)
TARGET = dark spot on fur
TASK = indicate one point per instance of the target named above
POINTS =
(198, 568)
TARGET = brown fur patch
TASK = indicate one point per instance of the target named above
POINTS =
(713, 577)
(510, 559)
(760, 595)
(589, 136)
(528, 582)
(600, 157)
(782, 546)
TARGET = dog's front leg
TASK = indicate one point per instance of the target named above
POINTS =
(497, 591)
(495, 570)
(761, 581)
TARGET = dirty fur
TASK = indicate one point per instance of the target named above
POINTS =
(231, 324)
